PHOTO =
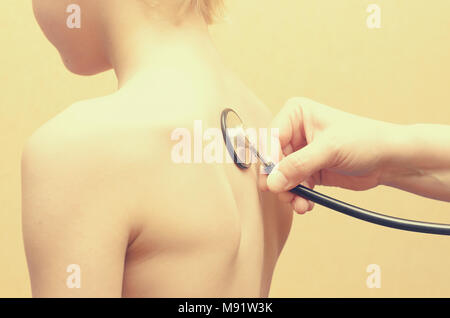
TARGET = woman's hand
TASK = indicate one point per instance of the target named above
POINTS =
(324, 146)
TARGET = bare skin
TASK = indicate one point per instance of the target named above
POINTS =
(100, 189)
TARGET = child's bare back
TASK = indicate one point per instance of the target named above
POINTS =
(102, 191)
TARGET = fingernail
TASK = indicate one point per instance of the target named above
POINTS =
(277, 181)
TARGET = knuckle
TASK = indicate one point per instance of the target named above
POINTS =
(294, 163)
(295, 102)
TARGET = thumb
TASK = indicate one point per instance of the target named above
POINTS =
(298, 166)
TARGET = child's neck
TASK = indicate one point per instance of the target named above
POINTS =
(141, 50)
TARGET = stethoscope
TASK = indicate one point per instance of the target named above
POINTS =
(239, 145)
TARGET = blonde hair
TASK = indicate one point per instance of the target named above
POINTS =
(209, 9)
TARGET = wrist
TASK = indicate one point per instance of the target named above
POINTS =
(397, 151)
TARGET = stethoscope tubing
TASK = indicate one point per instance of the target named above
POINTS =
(367, 215)
(337, 205)
(370, 216)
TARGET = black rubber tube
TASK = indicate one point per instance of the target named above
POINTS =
(370, 216)
(367, 215)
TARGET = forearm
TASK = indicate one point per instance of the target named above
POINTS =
(418, 160)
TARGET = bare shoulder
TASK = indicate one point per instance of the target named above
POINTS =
(91, 154)
(96, 133)
(78, 180)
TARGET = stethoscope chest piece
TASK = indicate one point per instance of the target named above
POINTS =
(232, 128)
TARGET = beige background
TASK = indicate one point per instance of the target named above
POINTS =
(321, 49)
